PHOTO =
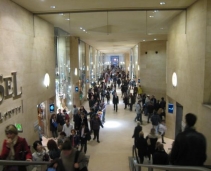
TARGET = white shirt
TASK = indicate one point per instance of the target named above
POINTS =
(161, 128)
(67, 129)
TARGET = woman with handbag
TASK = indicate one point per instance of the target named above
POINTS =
(15, 148)
(53, 126)
(84, 136)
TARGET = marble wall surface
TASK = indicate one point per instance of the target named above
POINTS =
(152, 73)
(26, 47)
(188, 56)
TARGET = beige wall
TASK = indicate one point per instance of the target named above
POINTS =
(29, 50)
(153, 68)
(187, 54)
(207, 78)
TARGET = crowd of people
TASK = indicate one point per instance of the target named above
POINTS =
(185, 149)
(69, 148)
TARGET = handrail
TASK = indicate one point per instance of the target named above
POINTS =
(172, 167)
(164, 167)
(23, 163)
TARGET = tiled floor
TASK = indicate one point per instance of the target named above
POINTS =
(116, 141)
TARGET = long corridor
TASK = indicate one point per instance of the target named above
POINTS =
(116, 141)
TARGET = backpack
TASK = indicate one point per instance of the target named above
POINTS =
(76, 159)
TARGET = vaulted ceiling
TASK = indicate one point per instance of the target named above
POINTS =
(111, 26)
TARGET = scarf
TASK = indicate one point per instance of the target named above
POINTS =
(11, 155)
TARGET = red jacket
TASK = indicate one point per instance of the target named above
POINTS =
(20, 146)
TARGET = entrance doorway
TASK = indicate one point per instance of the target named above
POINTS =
(179, 114)
(115, 60)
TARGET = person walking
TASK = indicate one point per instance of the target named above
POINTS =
(138, 112)
(142, 146)
(53, 126)
(115, 101)
(84, 134)
(162, 130)
(95, 125)
(136, 132)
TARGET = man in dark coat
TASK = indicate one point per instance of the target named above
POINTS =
(136, 132)
(189, 148)
(115, 101)
(95, 125)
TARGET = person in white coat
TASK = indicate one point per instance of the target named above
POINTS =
(162, 129)
(67, 127)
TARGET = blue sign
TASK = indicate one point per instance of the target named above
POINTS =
(76, 89)
(52, 108)
(170, 108)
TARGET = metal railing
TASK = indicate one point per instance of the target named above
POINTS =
(136, 166)
(30, 165)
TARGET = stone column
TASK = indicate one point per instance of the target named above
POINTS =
(127, 62)
(139, 61)
(94, 62)
(87, 67)
(74, 64)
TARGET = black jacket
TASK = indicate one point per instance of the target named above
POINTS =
(142, 146)
(115, 100)
(189, 148)
(60, 119)
(136, 132)
(91, 103)
(160, 158)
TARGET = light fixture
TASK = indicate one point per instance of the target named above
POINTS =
(61, 14)
(133, 65)
(53, 7)
(162, 3)
(84, 30)
(174, 79)
(87, 68)
(138, 67)
(143, 40)
(81, 28)
(155, 10)
(128, 69)
(70, 103)
(46, 80)
(75, 71)
(136, 62)
(68, 19)
(155, 39)
(151, 16)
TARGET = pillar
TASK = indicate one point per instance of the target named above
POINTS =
(87, 67)
(127, 61)
(74, 64)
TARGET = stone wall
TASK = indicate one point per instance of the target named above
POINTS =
(26, 47)
(187, 56)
